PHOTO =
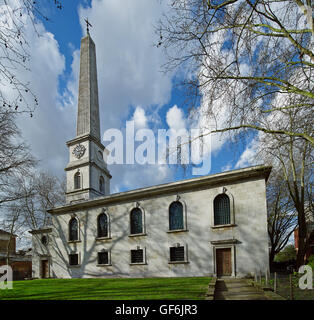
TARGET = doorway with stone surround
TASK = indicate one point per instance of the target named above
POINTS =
(44, 266)
(224, 257)
(223, 262)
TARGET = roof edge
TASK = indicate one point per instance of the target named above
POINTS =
(172, 187)
(36, 231)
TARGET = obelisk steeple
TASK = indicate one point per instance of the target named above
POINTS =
(87, 173)
(88, 108)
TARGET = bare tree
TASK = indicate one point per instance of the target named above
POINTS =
(40, 191)
(249, 60)
(16, 96)
(15, 159)
(282, 217)
(46, 191)
(292, 161)
(15, 92)
(250, 64)
(12, 224)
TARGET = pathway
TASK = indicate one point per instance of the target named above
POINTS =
(236, 289)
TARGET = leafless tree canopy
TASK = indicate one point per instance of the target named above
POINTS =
(38, 193)
(282, 216)
(251, 64)
(15, 159)
(24, 195)
(15, 92)
(250, 59)
(292, 160)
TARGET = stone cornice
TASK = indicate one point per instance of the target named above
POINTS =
(40, 230)
(7, 233)
(78, 191)
(227, 241)
(169, 188)
(85, 137)
(84, 162)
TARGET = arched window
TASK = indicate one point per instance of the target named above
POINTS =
(176, 216)
(101, 185)
(73, 229)
(221, 209)
(102, 225)
(77, 180)
(136, 221)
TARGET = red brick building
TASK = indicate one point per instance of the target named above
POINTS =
(310, 250)
(20, 262)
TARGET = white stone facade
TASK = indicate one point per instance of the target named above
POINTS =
(246, 235)
(200, 248)
(91, 166)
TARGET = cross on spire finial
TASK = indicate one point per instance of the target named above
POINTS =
(87, 25)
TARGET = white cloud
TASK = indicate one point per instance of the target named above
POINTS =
(248, 157)
(138, 176)
(175, 118)
(139, 118)
(227, 167)
(129, 75)
(127, 59)
(46, 131)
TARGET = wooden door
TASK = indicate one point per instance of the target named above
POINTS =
(223, 262)
(44, 268)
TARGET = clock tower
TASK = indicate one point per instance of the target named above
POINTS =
(87, 174)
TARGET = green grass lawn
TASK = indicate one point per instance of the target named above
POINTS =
(193, 288)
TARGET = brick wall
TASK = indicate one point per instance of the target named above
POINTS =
(4, 244)
(296, 238)
(21, 269)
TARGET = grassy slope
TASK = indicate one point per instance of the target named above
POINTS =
(108, 289)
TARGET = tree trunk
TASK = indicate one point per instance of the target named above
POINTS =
(302, 237)
(271, 258)
(7, 258)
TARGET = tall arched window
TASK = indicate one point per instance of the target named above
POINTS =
(73, 229)
(136, 221)
(176, 216)
(221, 209)
(101, 185)
(77, 180)
(102, 225)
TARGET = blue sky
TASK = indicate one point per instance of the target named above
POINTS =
(129, 80)
(65, 25)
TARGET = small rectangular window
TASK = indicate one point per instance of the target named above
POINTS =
(137, 256)
(103, 257)
(74, 261)
(176, 254)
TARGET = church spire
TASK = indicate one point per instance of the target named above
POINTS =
(87, 173)
(88, 107)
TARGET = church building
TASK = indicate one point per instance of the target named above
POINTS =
(214, 225)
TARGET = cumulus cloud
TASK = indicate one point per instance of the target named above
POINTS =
(138, 176)
(175, 118)
(248, 157)
(227, 167)
(46, 131)
(127, 59)
(129, 75)
(139, 118)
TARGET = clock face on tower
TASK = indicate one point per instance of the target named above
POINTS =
(79, 151)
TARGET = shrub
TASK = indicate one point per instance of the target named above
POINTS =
(287, 254)
(311, 261)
